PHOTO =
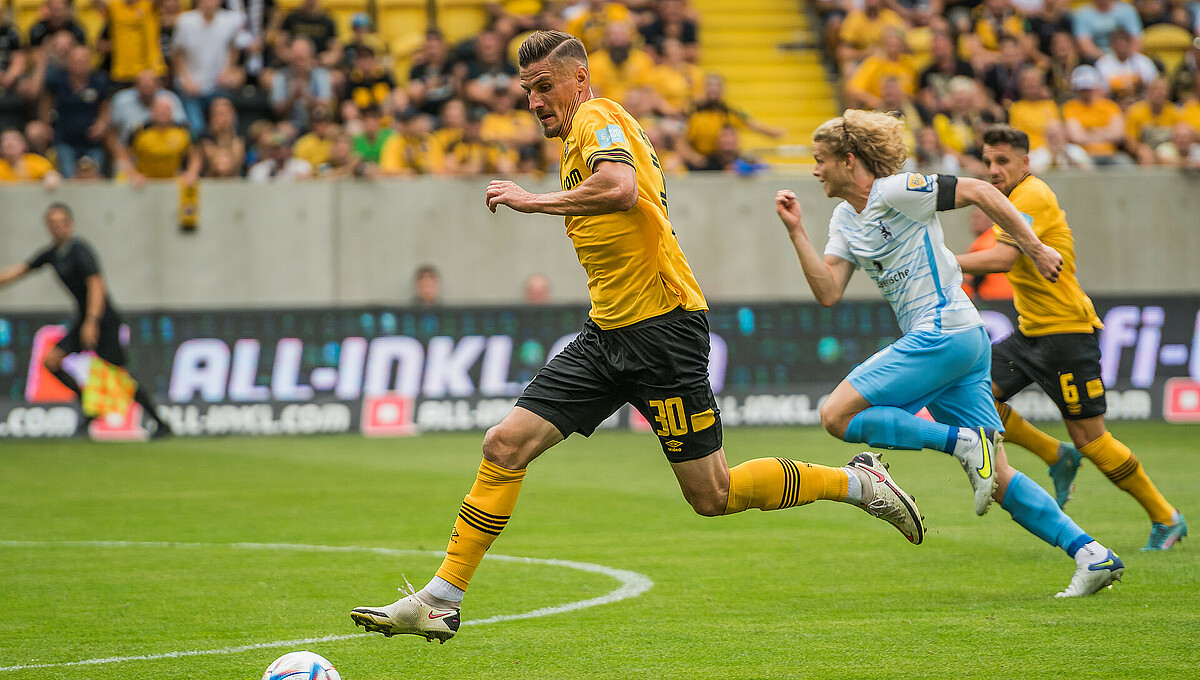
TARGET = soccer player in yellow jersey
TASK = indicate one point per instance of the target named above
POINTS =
(1056, 344)
(646, 343)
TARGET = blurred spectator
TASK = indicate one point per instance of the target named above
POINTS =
(1150, 123)
(258, 139)
(1001, 77)
(278, 163)
(863, 28)
(537, 290)
(369, 143)
(312, 21)
(900, 105)
(1190, 106)
(1058, 153)
(666, 146)
(729, 156)
(131, 106)
(12, 68)
(17, 164)
(677, 81)
(1064, 59)
(509, 123)
(590, 24)
(410, 151)
(205, 58)
(488, 69)
(56, 18)
(945, 64)
(39, 136)
(1094, 121)
(1125, 71)
(1185, 82)
(427, 286)
(369, 82)
(222, 149)
(918, 12)
(712, 113)
(1183, 150)
(168, 18)
(1054, 17)
(342, 161)
(432, 81)
(74, 100)
(957, 126)
(931, 156)
(314, 146)
(864, 89)
(470, 154)
(671, 22)
(994, 19)
(990, 287)
(133, 30)
(363, 37)
(1034, 109)
(87, 170)
(301, 86)
(161, 149)
(620, 66)
(1094, 23)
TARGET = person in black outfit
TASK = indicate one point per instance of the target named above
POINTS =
(97, 325)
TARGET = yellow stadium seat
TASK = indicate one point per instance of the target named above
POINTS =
(461, 19)
(400, 20)
(1168, 43)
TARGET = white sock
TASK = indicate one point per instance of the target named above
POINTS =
(854, 487)
(441, 589)
(967, 440)
(1090, 553)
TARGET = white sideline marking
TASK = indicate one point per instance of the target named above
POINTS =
(632, 585)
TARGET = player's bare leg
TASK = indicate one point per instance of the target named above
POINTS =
(1063, 458)
(433, 611)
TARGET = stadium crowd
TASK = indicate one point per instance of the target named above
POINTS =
(1074, 76)
(235, 88)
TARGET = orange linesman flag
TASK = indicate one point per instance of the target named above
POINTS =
(109, 389)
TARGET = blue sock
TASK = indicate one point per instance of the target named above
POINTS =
(895, 428)
(1034, 509)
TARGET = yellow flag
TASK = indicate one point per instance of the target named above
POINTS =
(109, 389)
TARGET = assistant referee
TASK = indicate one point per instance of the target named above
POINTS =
(97, 324)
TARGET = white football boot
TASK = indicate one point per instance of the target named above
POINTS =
(409, 616)
(884, 499)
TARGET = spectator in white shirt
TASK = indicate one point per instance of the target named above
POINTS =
(1058, 153)
(205, 58)
(1125, 70)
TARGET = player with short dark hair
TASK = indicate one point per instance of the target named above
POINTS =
(646, 343)
(887, 225)
(97, 325)
(1056, 344)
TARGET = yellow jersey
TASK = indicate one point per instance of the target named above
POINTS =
(1032, 117)
(159, 153)
(133, 29)
(1093, 116)
(1045, 308)
(30, 168)
(634, 265)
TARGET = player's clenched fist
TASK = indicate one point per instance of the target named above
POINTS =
(788, 208)
(1049, 263)
(504, 192)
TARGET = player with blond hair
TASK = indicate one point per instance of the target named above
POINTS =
(1057, 345)
(887, 224)
(646, 343)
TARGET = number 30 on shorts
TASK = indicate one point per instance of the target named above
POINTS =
(673, 421)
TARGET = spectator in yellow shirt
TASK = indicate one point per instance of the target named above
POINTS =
(1093, 120)
(864, 90)
(161, 149)
(18, 165)
(677, 81)
(712, 113)
(591, 24)
(408, 151)
(862, 30)
(133, 30)
(620, 66)
(1149, 122)
(314, 146)
(1034, 109)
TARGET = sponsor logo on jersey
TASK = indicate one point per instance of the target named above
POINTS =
(919, 182)
(610, 135)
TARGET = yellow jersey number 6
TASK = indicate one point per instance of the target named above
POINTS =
(669, 415)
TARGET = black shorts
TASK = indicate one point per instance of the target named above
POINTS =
(108, 347)
(1066, 366)
(659, 365)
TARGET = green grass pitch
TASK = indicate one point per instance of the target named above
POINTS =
(822, 591)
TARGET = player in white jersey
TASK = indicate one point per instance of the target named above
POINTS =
(887, 225)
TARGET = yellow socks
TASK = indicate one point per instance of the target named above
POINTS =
(1020, 432)
(484, 513)
(774, 483)
(1121, 467)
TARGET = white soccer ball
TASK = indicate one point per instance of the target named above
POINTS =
(301, 666)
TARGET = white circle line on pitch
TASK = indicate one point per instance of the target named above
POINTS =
(632, 585)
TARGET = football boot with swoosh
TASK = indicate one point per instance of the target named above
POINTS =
(409, 615)
(980, 465)
(1096, 568)
(884, 499)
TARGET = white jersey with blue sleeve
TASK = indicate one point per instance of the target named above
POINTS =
(897, 239)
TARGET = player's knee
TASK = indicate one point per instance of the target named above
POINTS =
(712, 505)
(833, 420)
(503, 446)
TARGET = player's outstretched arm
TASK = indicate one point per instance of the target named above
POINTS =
(998, 259)
(13, 272)
(970, 191)
(827, 276)
(611, 188)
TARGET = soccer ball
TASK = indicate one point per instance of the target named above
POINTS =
(301, 666)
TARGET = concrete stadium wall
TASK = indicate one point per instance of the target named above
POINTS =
(358, 242)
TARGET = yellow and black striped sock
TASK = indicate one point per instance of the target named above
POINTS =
(774, 483)
(483, 515)
(1019, 431)
(1122, 468)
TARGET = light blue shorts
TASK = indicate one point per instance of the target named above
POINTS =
(950, 373)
